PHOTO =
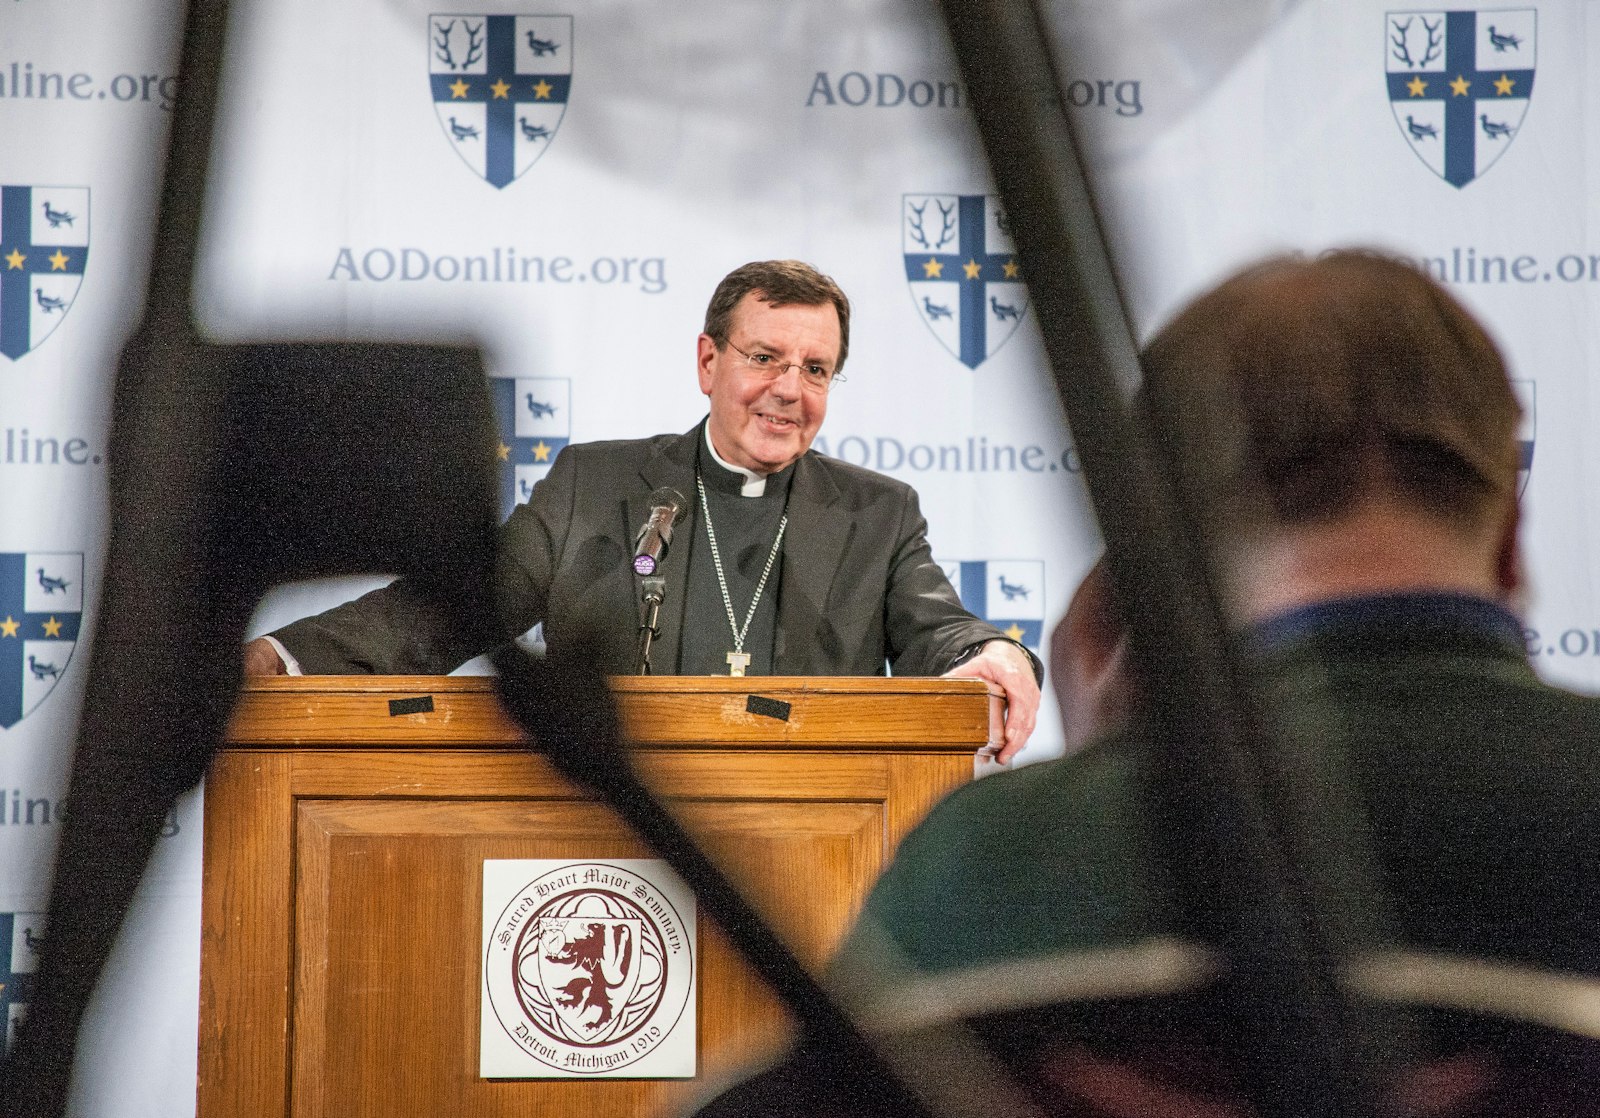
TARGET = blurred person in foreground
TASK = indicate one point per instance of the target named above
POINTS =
(1356, 431)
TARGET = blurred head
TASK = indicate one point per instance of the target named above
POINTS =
(787, 316)
(1303, 391)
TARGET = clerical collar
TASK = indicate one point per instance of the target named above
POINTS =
(754, 484)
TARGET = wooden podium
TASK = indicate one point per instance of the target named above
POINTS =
(347, 821)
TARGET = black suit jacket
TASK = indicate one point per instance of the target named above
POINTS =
(857, 586)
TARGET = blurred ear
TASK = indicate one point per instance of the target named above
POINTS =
(1088, 662)
(1510, 575)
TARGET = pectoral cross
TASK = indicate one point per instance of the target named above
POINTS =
(738, 662)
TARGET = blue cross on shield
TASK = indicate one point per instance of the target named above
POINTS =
(1459, 84)
(41, 607)
(962, 269)
(534, 418)
(44, 247)
(500, 86)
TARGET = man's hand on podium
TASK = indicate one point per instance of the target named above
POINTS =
(1007, 666)
(260, 658)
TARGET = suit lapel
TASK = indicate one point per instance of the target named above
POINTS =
(673, 466)
(812, 548)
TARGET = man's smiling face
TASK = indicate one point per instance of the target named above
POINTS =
(759, 421)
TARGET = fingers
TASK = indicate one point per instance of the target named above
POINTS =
(261, 659)
(1022, 714)
(1008, 667)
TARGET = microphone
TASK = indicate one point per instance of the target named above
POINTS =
(667, 507)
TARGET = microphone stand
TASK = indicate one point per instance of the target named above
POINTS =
(651, 590)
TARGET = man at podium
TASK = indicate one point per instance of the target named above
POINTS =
(786, 562)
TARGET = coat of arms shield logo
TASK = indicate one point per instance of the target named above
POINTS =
(963, 273)
(41, 607)
(534, 416)
(1007, 593)
(1459, 84)
(500, 86)
(44, 247)
(21, 941)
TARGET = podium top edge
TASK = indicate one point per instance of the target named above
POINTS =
(628, 685)
(459, 712)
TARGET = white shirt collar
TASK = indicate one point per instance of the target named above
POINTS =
(754, 484)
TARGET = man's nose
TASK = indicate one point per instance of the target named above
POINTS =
(789, 382)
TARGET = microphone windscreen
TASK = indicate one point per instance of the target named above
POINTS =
(668, 497)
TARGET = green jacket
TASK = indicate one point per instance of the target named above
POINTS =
(1479, 786)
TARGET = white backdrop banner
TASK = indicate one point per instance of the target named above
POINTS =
(566, 182)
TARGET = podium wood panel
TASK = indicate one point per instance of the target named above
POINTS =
(343, 898)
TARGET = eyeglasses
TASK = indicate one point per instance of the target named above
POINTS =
(814, 377)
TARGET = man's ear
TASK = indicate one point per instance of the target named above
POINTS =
(705, 354)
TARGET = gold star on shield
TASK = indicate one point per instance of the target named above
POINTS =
(15, 259)
(1504, 85)
(9, 627)
(972, 268)
(541, 451)
(1015, 632)
(459, 90)
(58, 262)
(503, 452)
(1011, 269)
(1459, 87)
(52, 628)
(501, 89)
(1417, 86)
(542, 90)
(932, 269)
